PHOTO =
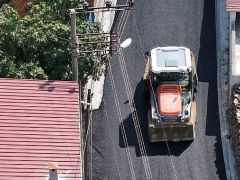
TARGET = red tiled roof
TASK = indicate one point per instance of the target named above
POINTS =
(233, 5)
(39, 123)
(20, 5)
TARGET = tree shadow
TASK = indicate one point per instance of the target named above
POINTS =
(50, 87)
(47, 85)
(207, 65)
(152, 149)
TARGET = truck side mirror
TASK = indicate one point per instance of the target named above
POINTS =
(195, 83)
(147, 54)
(195, 80)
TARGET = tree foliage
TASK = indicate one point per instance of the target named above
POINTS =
(37, 46)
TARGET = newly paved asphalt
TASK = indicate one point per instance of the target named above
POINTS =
(189, 23)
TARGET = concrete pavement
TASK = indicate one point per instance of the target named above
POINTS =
(106, 20)
(222, 43)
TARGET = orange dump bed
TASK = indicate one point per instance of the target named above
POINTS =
(169, 100)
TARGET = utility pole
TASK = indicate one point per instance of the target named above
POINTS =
(74, 44)
(106, 45)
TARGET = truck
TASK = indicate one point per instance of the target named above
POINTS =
(170, 83)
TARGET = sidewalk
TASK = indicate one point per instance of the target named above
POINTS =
(234, 111)
(106, 20)
(224, 53)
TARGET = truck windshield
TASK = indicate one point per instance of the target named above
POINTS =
(172, 76)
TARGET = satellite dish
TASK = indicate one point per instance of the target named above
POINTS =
(126, 43)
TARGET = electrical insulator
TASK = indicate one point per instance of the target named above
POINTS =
(108, 4)
(130, 3)
(85, 5)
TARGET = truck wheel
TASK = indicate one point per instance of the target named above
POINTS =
(193, 97)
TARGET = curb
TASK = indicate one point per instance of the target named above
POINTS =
(222, 25)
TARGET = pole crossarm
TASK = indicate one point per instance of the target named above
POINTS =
(108, 7)
(97, 50)
(97, 43)
(100, 33)
(101, 42)
(112, 8)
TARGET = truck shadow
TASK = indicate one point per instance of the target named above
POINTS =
(152, 149)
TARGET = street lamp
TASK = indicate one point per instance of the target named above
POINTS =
(126, 43)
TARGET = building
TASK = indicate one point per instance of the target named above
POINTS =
(233, 7)
(22, 7)
(40, 130)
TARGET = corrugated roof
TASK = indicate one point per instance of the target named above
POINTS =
(39, 123)
(233, 5)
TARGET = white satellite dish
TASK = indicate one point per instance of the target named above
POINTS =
(126, 43)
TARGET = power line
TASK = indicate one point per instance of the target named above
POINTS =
(122, 20)
(168, 148)
(164, 134)
(75, 41)
(120, 121)
(107, 47)
(114, 150)
(108, 7)
(124, 25)
(121, 26)
(90, 125)
(141, 45)
(135, 116)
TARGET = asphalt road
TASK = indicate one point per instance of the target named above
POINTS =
(189, 23)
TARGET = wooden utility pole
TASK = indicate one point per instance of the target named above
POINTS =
(74, 44)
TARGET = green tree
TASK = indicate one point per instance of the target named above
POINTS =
(37, 46)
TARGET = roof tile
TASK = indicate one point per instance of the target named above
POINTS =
(39, 124)
(233, 5)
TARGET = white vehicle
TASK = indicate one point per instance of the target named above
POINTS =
(170, 81)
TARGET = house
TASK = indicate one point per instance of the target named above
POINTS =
(233, 161)
(22, 5)
(233, 7)
(39, 130)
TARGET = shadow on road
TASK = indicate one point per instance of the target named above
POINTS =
(207, 65)
(152, 149)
